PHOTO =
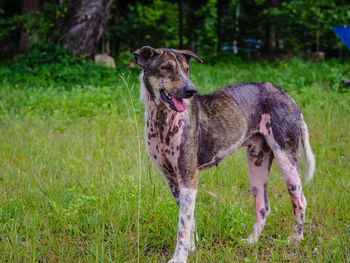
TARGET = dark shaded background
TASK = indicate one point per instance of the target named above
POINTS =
(272, 29)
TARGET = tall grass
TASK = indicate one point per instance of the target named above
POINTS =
(70, 178)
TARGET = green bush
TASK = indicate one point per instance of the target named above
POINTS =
(42, 54)
(51, 65)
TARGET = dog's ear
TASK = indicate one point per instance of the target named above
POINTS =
(144, 54)
(189, 54)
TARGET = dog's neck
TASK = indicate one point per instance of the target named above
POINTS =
(145, 96)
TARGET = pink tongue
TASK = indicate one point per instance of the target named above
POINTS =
(179, 104)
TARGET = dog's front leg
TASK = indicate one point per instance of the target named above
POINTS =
(175, 191)
(186, 223)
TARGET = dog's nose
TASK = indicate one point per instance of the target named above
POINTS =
(189, 91)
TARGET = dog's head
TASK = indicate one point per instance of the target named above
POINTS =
(166, 75)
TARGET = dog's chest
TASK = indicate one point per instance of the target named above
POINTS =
(163, 132)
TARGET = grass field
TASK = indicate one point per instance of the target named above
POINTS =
(74, 186)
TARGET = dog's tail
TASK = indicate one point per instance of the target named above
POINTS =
(306, 152)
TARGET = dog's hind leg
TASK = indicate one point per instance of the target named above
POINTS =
(291, 175)
(283, 139)
(259, 157)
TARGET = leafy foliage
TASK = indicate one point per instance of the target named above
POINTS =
(297, 27)
(49, 64)
(44, 24)
(305, 20)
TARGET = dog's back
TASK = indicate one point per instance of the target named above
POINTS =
(234, 113)
(256, 99)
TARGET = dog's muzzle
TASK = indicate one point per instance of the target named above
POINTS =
(175, 100)
(188, 92)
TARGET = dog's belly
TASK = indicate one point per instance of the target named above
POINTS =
(222, 128)
(213, 158)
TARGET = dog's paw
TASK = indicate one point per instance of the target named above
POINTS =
(192, 248)
(252, 239)
(177, 260)
(295, 239)
(180, 256)
(193, 244)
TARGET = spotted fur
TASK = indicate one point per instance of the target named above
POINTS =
(186, 133)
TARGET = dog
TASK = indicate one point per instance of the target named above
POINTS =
(186, 132)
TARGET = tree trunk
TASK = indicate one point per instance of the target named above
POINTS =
(318, 30)
(180, 8)
(85, 25)
(2, 6)
(267, 37)
(270, 38)
(219, 5)
(28, 6)
(268, 34)
(236, 33)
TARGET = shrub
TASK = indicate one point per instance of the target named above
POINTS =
(51, 65)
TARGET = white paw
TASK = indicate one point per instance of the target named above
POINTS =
(177, 260)
(180, 256)
(295, 239)
(193, 244)
(192, 248)
(252, 239)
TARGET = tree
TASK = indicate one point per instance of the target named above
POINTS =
(85, 25)
(28, 7)
(2, 5)
(270, 37)
(179, 4)
(219, 6)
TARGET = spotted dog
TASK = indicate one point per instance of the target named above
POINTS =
(186, 133)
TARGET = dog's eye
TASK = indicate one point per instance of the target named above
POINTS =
(167, 68)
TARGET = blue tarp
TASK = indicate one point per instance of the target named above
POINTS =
(344, 33)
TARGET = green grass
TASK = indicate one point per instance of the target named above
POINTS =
(70, 181)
